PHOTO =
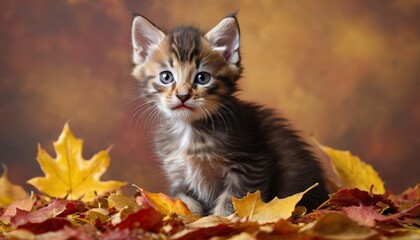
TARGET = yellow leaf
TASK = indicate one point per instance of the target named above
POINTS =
(167, 205)
(69, 175)
(123, 204)
(255, 209)
(121, 201)
(97, 214)
(353, 172)
(10, 192)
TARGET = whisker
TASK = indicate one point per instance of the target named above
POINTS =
(132, 100)
(140, 112)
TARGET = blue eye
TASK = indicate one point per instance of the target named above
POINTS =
(202, 78)
(166, 77)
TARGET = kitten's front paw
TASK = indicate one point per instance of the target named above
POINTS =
(224, 210)
(193, 205)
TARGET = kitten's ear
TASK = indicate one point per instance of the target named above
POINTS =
(224, 38)
(145, 36)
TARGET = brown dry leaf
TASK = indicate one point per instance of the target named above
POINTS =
(252, 207)
(69, 175)
(339, 227)
(10, 192)
(353, 172)
(285, 227)
(167, 205)
(408, 198)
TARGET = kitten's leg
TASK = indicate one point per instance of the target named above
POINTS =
(179, 191)
(193, 205)
(224, 206)
(234, 186)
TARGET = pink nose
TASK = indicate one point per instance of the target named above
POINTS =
(183, 98)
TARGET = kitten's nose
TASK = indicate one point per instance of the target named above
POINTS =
(183, 98)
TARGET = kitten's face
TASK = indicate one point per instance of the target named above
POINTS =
(185, 74)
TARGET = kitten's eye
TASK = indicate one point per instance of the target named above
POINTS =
(166, 77)
(202, 78)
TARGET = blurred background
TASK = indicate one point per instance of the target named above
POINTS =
(346, 72)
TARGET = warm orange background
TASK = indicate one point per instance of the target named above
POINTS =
(345, 71)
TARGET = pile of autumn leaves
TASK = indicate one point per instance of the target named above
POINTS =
(74, 203)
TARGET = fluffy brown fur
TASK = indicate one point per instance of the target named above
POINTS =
(212, 145)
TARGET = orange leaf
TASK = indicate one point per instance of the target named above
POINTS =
(167, 205)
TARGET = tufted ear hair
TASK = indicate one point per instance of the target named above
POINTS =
(145, 37)
(224, 38)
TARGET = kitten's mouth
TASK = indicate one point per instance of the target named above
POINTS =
(182, 107)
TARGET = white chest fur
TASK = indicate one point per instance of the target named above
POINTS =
(193, 164)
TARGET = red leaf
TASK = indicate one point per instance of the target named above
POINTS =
(49, 225)
(409, 216)
(364, 215)
(408, 198)
(357, 197)
(148, 219)
(369, 216)
(73, 207)
(52, 210)
(11, 210)
(20, 217)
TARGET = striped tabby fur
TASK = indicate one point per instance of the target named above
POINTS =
(212, 145)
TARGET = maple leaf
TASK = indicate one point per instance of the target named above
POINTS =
(69, 175)
(10, 192)
(255, 209)
(353, 172)
(167, 205)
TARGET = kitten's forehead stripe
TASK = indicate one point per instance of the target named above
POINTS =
(184, 42)
(197, 63)
(163, 64)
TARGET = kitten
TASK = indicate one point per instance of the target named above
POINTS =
(212, 145)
